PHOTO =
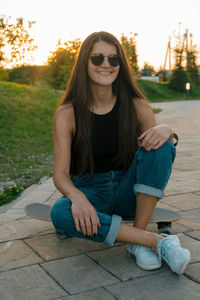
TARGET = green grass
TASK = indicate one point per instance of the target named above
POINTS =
(157, 110)
(160, 92)
(26, 135)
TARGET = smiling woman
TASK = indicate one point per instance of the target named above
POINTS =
(111, 161)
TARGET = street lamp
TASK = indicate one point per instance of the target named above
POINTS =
(187, 87)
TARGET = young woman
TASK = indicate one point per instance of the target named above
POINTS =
(111, 160)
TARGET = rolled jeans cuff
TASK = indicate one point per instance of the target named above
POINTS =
(145, 189)
(113, 232)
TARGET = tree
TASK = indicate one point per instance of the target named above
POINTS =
(191, 67)
(61, 61)
(129, 44)
(16, 38)
(147, 70)
(2, 44)
(178, 79)
(186, 68)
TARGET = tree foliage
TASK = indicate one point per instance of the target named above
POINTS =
(178, 79)
(15, 41)
(28, 74)
(192, 67)
(186, 68)
(129, 44)
(61, 61)
(147, 70)
(4, 75)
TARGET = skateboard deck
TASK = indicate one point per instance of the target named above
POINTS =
(42, 211)
(163, 217)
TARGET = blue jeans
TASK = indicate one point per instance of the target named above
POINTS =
(113, 194)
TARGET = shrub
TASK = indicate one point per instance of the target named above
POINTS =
(4, 74)
(178, 79)
(10, 193)
(28, 74)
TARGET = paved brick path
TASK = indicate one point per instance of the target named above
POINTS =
(34, 264)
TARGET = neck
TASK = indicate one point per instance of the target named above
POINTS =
(102, 96)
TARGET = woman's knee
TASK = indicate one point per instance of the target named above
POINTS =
(61, 213)
(167, 149)
(154, 167)
(58, 207)
(166, 152)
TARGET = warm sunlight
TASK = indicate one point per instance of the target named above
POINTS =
(153, 21)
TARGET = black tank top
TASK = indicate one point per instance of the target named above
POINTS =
(104, 139)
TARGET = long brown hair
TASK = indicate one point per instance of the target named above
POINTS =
(78, 92)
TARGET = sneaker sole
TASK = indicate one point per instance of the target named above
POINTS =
(148, 268)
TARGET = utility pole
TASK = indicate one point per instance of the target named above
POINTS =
(182, 49)
(168, 53)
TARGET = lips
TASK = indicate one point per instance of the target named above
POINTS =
(104, 73)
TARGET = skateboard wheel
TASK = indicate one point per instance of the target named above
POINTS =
(164, 227)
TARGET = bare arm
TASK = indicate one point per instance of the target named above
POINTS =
(153, 136)
(63, 128)
(84, 214)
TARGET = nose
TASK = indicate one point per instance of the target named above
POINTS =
(105, 63)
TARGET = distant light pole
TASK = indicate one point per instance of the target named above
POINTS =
(187, 87)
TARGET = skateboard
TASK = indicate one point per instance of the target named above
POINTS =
(163, 217)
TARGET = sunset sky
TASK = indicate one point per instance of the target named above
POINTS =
(153, 20)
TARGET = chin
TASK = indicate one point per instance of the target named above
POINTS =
(104, 82)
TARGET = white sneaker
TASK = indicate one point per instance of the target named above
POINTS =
(146, 258)
(171, 251)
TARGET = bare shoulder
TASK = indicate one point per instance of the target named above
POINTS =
(64, 118)
(63, 111)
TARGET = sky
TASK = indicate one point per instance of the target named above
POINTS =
(152, 20)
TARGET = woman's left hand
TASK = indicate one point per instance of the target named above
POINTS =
(153, 138)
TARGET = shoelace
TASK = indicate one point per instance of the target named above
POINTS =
(163, 251)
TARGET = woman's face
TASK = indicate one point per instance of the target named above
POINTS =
(104, 74)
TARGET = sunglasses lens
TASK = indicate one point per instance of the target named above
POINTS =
(97, 59)
(114, 60)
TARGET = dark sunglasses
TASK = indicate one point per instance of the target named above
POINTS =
(98, 58)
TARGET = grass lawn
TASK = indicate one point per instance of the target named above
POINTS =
(160, 92)
(26, 136)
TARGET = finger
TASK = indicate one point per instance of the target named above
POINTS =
(88, 226)
(97, 220)
(82, 225)
(159, 145)
(152, 143)
(149, 143)
(76, 222)
(94, 225)
(147, 140)
(144, 134)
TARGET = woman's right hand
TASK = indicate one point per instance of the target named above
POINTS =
(85, 216)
